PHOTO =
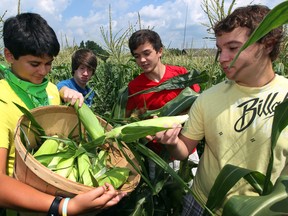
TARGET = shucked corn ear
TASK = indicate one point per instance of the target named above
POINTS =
(50, 146)
(89, 120)
(139, 129)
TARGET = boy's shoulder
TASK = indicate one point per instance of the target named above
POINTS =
(67, 82)
(141, 78)
(176, 68)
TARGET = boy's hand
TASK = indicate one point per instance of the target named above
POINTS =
(71, 96)
(169, 136)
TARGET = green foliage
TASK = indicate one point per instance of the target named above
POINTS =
(281, 63)
(274, 19)
(273, 204)
(97, 49)
(59, 73)
(115, 44)
(107, 81)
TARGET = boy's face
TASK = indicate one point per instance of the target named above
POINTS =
(146, 57)
(250, 64)
(30, 68)
(82, 75)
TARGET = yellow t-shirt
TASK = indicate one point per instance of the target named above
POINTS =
(10, 115)
(236, 122)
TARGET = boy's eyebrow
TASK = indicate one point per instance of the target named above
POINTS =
(35, 61)
(142, 51)
(229, 43)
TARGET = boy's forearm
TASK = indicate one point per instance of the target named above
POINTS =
(183, 147)
(179, 151)
(22, 197)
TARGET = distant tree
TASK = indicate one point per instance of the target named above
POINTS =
(97, 49)
(82, 45)
(175, 51)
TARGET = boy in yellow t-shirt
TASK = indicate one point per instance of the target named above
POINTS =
(235, 116)
(30, 47)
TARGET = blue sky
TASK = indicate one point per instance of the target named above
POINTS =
(80, 20)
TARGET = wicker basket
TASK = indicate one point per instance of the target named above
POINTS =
(60, 120)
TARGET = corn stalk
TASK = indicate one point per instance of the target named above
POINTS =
(214, 9)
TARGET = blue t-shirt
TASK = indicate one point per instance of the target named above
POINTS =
(73, 85)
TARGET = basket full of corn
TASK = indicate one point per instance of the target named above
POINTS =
(65, 151)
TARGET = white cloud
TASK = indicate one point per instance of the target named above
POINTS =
(167, 17)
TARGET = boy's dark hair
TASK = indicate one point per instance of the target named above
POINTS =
(29, 34)
(142, 36)
(250, 17)
(83, 56)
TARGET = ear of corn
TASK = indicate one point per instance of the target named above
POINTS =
(44, 153)
(90, 121)
(65, 166)
(116, 176)
(136, 130)
(53, 163)
(101, 159)
(73, 176)
(84, 165)
(99, 164)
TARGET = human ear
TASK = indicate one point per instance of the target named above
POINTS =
(8, 56)
(160, 51)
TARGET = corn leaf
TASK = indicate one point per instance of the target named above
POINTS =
(119, 108)
(63, 154)
(143, 172)
(160, 162)
(181, 81)
(116, 176)
(92, 145)
(226, 179)
(99, 163)
(176, 106)
(34, 123)
(257, 181)
(273, 204)
(280, 121)
(185, 170)
(275, 18)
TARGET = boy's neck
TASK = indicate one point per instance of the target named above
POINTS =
(157, 74)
